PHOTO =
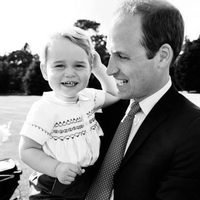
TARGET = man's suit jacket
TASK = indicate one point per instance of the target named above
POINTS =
(163, 160)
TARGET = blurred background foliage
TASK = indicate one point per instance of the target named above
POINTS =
(20, 69)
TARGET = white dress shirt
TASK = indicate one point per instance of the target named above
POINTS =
(146, 105)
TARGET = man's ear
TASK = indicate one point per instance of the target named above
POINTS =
(43, 69)
(165, 55)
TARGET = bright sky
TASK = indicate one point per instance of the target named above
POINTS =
(31, 20)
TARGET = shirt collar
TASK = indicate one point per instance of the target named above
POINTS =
(51, 97)
(148, 103)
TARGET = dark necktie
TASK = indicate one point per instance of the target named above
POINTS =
(102, 186)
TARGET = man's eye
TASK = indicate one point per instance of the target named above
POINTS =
(122, 57)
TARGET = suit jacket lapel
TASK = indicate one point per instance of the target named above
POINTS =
(158, 113)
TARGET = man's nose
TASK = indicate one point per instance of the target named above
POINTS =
(111, 68)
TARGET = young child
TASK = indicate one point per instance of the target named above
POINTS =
(60, 137)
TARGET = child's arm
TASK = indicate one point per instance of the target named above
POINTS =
(32, 154)
(108, 83)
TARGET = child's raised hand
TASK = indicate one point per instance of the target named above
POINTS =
(96, 60)
(67, 172)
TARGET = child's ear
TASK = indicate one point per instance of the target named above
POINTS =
(43, 69)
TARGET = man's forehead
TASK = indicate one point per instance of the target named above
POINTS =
(116, 46)
(126, 29)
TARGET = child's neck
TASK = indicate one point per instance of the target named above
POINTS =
(67, 99)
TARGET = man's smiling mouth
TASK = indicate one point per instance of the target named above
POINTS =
(121, 82)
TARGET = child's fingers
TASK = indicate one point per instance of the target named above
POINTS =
(77, 169)
(72, 173)
(81, 170)
(96, 55)
(67, 180)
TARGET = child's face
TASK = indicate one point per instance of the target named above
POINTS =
(67, 69)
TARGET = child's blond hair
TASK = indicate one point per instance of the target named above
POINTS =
(77, 36)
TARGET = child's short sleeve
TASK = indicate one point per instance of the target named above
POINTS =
(98, 97)
(38, 123)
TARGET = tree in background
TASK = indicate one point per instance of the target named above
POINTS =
(33, 81)
(99, 41)
(187, 68)
(86, 24)
(18, 63)
(4, 76)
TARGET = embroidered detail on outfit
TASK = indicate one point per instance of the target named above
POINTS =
(90, 113)
(92, 120)
(68, 129)
(93, 127)
(40, 128)
(68, 122)
(67, 137)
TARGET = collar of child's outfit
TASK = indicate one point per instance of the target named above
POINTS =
(50, 96)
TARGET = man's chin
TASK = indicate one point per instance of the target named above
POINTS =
(123, 95)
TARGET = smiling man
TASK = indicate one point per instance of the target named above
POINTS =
(161, 156)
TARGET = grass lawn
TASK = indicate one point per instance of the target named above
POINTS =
(14, 109)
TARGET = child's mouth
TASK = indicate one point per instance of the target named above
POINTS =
(69, 83)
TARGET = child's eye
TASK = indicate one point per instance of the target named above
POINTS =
(79, 66)
(59, 66)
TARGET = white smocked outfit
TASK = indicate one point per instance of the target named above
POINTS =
(67, 131)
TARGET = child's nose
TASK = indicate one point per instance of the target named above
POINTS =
(69, 71)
